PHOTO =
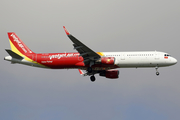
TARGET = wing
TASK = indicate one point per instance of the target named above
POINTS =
(88, 54)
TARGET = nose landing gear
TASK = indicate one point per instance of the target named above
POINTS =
(157, 73)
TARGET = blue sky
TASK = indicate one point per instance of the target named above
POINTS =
(35, 94)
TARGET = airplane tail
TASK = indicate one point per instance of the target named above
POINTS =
(17, 45)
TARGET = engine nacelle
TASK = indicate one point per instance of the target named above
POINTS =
(112, 74)
(106, 60)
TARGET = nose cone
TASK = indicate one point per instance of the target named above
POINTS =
(174, 61)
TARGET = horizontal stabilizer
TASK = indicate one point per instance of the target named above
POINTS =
(13, 54)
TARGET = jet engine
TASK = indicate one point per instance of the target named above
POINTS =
(106, 60)
(112, 74)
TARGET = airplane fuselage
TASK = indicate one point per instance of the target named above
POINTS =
(102, 63)
(73, 60)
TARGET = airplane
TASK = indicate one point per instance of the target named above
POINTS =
(102, 63)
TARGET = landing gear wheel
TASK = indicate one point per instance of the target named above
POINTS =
(92, 78)
(157, 73)
(89, 69)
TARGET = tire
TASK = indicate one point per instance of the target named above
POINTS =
(92, 78)
(157, 73)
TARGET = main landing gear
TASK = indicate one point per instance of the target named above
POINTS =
(92, 78)
(157, 73)
(89, 69)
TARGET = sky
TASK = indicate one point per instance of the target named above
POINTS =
(29, 93)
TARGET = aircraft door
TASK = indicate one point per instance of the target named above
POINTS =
(123, 57)
(33, 57)
(156, 55)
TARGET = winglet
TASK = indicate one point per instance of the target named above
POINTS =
(66, 30)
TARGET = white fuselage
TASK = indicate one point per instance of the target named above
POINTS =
(141, 59)
(122, 60)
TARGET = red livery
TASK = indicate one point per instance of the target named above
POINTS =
(102, 63)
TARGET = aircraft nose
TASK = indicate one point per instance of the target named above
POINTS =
(174, 61)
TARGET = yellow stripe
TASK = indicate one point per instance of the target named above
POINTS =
(100, 53)
(14, 49)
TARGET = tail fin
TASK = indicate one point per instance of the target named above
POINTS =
(17, 44)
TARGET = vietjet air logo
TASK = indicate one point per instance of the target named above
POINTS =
(19, 43)
(59, 56)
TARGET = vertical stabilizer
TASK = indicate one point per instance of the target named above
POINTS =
(17, 44)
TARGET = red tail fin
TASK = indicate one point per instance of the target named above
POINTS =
(17, 44)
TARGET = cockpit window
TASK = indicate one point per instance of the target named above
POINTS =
(166, 55)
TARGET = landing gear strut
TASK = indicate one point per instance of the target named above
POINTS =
(157, 73)
(92, 78)
(89, 69)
